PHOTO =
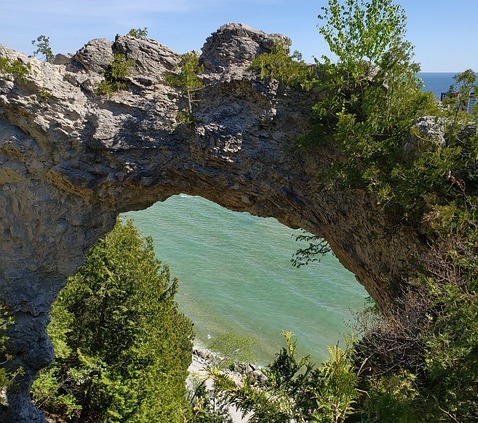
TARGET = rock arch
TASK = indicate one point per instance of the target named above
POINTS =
(71, 161)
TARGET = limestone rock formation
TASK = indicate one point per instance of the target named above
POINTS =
(72, 160)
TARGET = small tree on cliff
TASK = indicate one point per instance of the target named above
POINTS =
(140, 33)
(123, 348)
(42, 43)
(115, 74)
(187, 80)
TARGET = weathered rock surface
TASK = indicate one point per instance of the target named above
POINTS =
(71, 161)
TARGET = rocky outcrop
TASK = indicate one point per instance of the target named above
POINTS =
(72, 160)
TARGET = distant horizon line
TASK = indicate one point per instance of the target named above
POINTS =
(429, 71)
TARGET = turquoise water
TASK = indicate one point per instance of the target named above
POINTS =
(235, 276)
(235, 273)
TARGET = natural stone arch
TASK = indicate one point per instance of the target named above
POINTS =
(71, 161)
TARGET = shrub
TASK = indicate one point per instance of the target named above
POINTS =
(115, 75)
(122, 346)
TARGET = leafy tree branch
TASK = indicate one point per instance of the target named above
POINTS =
(188, 81)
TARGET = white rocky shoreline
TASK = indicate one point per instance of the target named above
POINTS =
(202, 359)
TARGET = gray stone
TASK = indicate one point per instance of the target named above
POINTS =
(95, 56)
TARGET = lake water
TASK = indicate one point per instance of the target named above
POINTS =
(235, 273)
(437, 82)
(235, 276)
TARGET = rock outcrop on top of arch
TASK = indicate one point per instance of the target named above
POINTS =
(72, 160)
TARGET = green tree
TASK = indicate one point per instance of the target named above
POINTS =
(42, 43)
(115, 75)
(285, 67)
(456, 100)
(138, 32)
(123, 348)
(371, 94)
(188, 81)
(360, 31)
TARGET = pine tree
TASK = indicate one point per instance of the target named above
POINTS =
(123, 348)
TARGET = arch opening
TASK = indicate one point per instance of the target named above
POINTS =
(236, 277)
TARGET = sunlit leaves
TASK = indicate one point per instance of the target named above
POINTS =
(115, 75)
(187, 79)
(285, 67)
(123, 348)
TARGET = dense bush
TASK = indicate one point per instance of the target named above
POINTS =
(115, 75)
(122, 346)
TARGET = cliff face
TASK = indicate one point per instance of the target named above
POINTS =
(72, 160)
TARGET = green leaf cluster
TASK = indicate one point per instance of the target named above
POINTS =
(122, 346)
(188, 81)
(140, 33)
(287, 68)
(208, 406)
(115, 75)
(294, 390)
(42, 43)
(16, 68)
(363, 31)
(5, 376)
(316, 248)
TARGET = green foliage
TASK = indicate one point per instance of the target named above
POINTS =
(372, 96)
(422, 359)
(337, 391)
(420, 362)
(16, 68)
(208, 406)
(115, 75)
(372, 99)
(422, 365)
(317, 247)
(188, 81)
(290, 69)
(123, 348)
(294, 390)
(44, 94)
(5, 376)
(140, 33)
(451, 353)
(42, 43)
(391, 399)
(360, 31)
(459, 92)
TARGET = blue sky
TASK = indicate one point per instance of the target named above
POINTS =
(444, 32)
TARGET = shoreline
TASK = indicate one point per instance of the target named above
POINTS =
(201, 359)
